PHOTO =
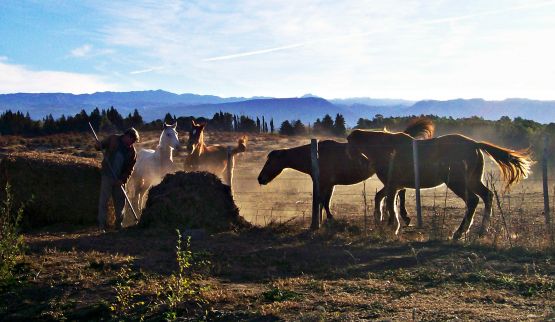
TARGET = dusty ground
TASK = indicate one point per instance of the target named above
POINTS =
(347, 271)
(283, 272)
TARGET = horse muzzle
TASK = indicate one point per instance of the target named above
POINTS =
(263, 180)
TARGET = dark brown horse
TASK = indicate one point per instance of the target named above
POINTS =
(336, 168)
(454, 159)
(210, 158)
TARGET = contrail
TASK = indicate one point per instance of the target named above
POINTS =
(148, 70)
(256, 52)
(355, 35)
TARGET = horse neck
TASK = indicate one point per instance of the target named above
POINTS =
(293, 161)
(165, 153)
(201, 146)
(199, 150)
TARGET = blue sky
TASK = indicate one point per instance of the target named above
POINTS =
(411, 49)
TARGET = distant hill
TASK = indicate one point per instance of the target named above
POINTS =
(307, 109)
(371, 101)
(40, 105)
(155, 104)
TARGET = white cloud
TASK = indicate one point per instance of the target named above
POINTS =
(400, 48)
(81, 51)
(17, 78)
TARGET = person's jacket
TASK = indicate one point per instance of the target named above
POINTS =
(112, 145)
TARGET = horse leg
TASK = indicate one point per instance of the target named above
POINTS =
(228, 171)
(325, 201)
(378, 214)
(487, 198)
(471, 200)
(136, 193)
(390, 206)
(402, 209)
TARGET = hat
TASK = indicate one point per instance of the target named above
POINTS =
(132, 134)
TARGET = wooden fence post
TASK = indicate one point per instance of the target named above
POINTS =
(316, 218)
(545, 186)
(417, 183)
(229, 168)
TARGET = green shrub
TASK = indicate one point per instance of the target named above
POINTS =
(182, 286)
(11, 243)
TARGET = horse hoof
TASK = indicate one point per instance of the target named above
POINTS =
(457, 235)
(407, 222)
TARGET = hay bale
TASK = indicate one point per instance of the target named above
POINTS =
(192, 200)
(62, 188)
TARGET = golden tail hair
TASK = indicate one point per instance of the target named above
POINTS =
(241, 145)
(514, 165)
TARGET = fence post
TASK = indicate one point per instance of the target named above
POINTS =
(315, 185)
(545, 186)
(417, 182)
(365, 207)
(229, 168)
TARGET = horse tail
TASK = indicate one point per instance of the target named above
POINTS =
(422, 128)
(514, 165)
(241, 145)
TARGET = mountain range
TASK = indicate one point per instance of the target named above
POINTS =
(155, 104)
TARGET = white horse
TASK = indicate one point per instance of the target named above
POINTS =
(153, 165)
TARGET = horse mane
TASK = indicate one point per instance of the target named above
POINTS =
(421, 127)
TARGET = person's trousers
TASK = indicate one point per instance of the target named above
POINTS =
(109, 189)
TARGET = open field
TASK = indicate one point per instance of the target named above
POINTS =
(280, 271)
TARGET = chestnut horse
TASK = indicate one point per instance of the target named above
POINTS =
(210, 158)
(454, 159)
(336, 168)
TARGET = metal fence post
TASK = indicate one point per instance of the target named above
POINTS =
(316, 218)
(546, 209)
(417, 182)
(229, 168)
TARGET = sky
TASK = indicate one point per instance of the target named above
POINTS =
(407, 49)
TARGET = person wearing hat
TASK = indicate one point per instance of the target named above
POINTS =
(119, 153)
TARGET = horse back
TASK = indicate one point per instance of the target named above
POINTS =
(338, 167)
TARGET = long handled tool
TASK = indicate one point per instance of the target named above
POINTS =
(115, 177)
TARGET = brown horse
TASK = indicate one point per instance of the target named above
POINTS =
(455, 160)
(336, 168)
(210, 158)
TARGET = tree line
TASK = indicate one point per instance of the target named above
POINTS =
(110, 120)
(516, 133)
(326, 126)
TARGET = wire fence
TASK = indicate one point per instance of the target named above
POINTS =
(289, 196)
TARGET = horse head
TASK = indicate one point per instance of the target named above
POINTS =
(272, 168)
(169, 137)
(196, 135)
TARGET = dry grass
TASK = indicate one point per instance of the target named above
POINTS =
(285, 272)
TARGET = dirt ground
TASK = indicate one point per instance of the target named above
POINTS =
(284, 272)
(279, 270)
